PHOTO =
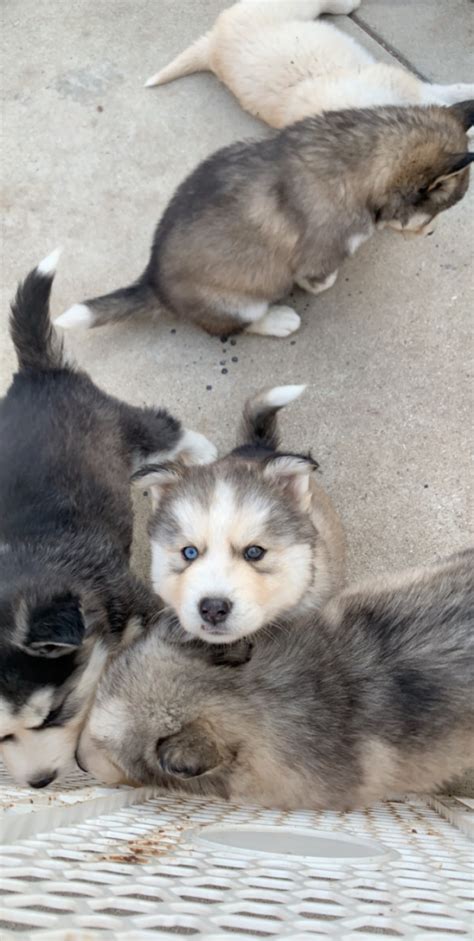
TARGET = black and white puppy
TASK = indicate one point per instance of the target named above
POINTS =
(67, 596)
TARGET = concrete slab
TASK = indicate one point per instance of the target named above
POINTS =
(92, 160)
(435, 36)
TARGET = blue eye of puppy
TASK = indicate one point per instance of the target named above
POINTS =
(254, 553)
(190, 553)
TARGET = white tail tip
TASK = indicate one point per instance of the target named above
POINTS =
(154, 80)
(79, 315)
(50, 263)
(283, 395)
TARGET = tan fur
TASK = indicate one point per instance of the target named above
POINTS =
(367, 700)
(255, 218)
(283, 64)
(255, 496)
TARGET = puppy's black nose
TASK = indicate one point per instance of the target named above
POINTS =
(43, 780)
(214, 610)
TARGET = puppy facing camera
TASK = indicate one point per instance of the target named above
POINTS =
(367, 699)
(247, 540)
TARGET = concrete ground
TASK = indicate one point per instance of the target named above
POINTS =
(91, 162)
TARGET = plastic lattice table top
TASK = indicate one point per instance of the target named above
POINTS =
(84, 863)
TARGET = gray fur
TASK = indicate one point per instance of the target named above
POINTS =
(371, 698)
(256, 217)
(255, 496)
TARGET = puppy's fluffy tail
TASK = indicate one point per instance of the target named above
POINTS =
(35, 339)
(196, 58)
(259, 423)
(137, 298)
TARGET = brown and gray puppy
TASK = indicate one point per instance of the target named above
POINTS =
(247, 540)
(256, 218)
(370, 699)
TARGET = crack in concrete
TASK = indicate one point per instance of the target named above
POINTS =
(392, 50)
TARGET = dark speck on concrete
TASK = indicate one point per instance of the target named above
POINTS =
(173, 330)
(100, 108)
(224, 372)
(425, 486)
(224, 339)
(233, 342)
(209, 388)
(222, 362)
(293, 342)
(235, 359)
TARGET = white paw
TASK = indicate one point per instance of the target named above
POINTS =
(351, 5)
(278, 322)
(317, 287)
(195, 448)
(343, 7)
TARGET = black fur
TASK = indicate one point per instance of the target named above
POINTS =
(66, 455)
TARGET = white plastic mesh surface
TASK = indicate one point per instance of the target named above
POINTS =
(86, 868)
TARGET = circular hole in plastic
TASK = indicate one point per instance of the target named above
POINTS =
(294, 841)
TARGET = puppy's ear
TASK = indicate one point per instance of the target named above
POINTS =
(456, 165)
(155, 478)
(52, 629)
(188, 754)
(464, 112)
(292, 474)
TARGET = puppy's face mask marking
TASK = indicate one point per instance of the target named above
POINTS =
(232, 547)
(48, 672)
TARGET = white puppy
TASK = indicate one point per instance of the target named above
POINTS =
(283, 66)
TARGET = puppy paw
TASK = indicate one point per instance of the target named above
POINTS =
(278, 322)
(344, 7)
(188, 754)
(195, 448)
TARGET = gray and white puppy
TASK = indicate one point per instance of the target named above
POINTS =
(371, 698)
(248, 540)
(67, 596)
(257, 217)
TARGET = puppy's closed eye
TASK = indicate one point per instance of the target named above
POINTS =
(188, 754)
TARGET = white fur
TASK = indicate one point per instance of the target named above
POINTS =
(221, 531)
(34, 754)
(251, 312)
(447, 94)
(355, 241)
(279, 321)
(192, 445)
(419, 224)
(79, 315)
(280, 396)
(50, 263)
(318, 288)
(283, 64)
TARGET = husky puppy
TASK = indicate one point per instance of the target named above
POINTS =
(369, 699)
(247, 540)
(67, 597)
(282, 67)
(255, 218)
